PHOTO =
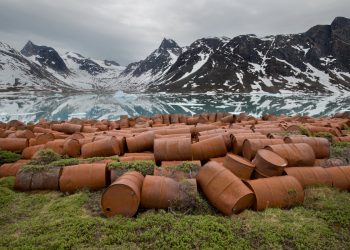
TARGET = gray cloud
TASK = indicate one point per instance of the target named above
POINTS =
(128, 30)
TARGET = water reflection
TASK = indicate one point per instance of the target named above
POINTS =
(30, 107)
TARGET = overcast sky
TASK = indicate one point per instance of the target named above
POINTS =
(128, 30)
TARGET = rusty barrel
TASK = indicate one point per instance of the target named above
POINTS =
(159, 192)
(276, 192)
(251, 146)
(56, 146)
(24, 134)
(209, 148)
(47, 179)
(90, 176)
(269, 164)
(321, 146)
(224, 189)
(309, 176)
(104, 147)
(238, 140)
(29, 152)
(23, 180)
(340, 177)
(44, 138)
(123, 195)
(11, 169)
(72, 147)
(141, 142)
(13, 144)
(171, 149)
(241, 167)
(297, 154)
(67, 128)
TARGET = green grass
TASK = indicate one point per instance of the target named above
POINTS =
(144, 167)
(186, 167)
(341, 150)
(51, 220)
(8, 157)
(95, 159)
(44, 157)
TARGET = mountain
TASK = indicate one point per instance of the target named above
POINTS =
(153, 68)
(317, 61)
(17, 73)
(79, 72)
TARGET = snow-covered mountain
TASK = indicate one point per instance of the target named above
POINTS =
(78, 72)
(18, 73)
(153, 68)
(315, 61)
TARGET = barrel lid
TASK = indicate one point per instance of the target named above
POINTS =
(272, 157)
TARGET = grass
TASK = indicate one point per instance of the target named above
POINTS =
(341, 150)
(96, 159)
(144, 167)
(8, 157)
(44, 157)
(51, 220)
(186, 167)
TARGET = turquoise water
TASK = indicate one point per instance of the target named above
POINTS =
(31, 107)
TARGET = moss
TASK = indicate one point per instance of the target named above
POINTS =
(325, 135)
(305, 131)
(8, 157)
(341, 150)
(34, 168)
(144, 167)
(186, 167)
(44, 157)
(65, 162)
(95, 159)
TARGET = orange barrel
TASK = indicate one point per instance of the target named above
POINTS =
(251, 146)
(173, 136)
(166, 119)
(212, 117)
(224, 189)
(105, 147)
(172, 149)
(269, 163)
(266, 131)
(24, 134)
(192, 120)
(41, 130)
(159, 192)
(229, 119)
(141, 142)
(76, 136)
(172, 131)
(47, 179)
(241, 167)
(238, 140)
(89, 129)
(218, 159)
(123, 196)
(174, 118)
(309, 176)
(11, 169)
(344, 138)
(67, 128)
(276, 192)
(137, 157)
(209, 148)
(13, 144)
(72, 147)
(91, 176)
(44, 138)
(321, 146)
(297, 154)
(56, 146)
(226, 136)
(29, 152)
(340, 177)
(213, 132)
(315, 129)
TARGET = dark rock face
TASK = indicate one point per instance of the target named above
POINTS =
(87, 65)
(110, 62)
(157, 62)
(46, 56)
(315, 61)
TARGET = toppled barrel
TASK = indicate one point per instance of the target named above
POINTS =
(269, 164)
(123, 196)
(309, 176)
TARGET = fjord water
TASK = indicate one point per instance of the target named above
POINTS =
(30, 107)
